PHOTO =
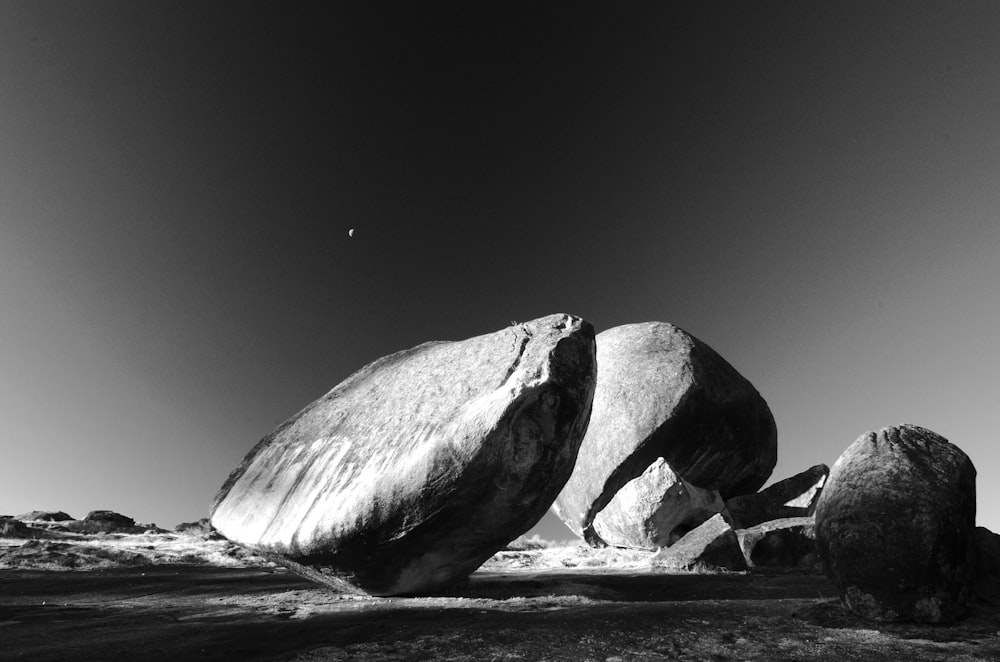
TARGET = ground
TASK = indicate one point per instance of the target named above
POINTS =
(555, 604)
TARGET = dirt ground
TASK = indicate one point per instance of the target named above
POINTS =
(192, 612)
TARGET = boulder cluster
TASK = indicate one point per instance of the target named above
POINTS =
(42, 524)
(414, 470)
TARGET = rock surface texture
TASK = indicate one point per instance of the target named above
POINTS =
(417, 468)
(795, 496)
(661, 393)
(781, 543)
(988, 566)
(655, 509)
(713, 545)
(895, 526)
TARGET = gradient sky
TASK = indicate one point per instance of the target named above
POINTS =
(810, 188)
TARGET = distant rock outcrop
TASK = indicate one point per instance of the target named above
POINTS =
(202, 527)
(109, 517)
(661, 393)
(14, 528)
(44, 516)
(795, 496)
(895, 526)
(655, 509)
(711, 546)
(418, 467)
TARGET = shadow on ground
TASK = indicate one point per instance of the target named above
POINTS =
(205, 613)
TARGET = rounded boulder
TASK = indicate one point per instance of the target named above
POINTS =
(895, 526)
(662, 393)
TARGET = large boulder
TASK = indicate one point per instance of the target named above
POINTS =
(655, 509)
(661, 393)
(417, 468)
(895, 526)
(795, 496)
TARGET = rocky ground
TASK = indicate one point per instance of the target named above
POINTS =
(191, 596)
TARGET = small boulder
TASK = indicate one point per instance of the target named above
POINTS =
(711, 546)
(655, 509)
(895, 526)
(420, 466)
(795, 496)
(782, 543)
(661, 393)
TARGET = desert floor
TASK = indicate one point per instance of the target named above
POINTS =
(509, 611)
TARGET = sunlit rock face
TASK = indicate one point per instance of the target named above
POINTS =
(895, 526)
(655, 509)
(713, 545)
(418, 467)
(661, 393)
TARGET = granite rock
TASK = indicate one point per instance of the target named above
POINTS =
(417, 468)
(661, 393)
(895, 526)
(782, 543)
(795, 496)
(44, 516)
(711, 546)
(987, 566)
(655, 509)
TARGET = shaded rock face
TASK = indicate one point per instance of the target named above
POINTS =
(110, 517)
(795, 496)
(417, 468)
(202, 526)
(11, 527)
(712, 545)
(895, 525)
(987, 566)
(782, 543)
(661, 393)
(655, 509)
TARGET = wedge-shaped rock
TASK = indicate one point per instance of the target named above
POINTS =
(895, 526)
(661, 393)
(655, 509)
(795, 496)
(713, 545)
(418, 467)
(781, 543)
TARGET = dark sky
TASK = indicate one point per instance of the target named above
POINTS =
(810, 188)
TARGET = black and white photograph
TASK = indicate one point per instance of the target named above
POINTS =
(495, 331)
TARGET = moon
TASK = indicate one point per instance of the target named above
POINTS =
(350, 233)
